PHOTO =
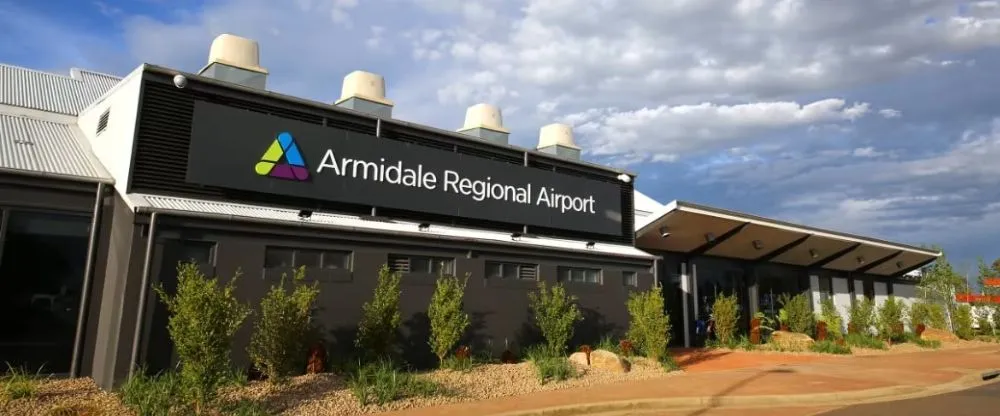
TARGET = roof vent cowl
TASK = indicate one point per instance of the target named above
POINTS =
(365, 92)
(237, 60)
(557, 139)
(485, 122)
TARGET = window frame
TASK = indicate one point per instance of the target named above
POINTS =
(630, 278)
(393, 258)
(566, 273)
(346, 255)
(519, 270)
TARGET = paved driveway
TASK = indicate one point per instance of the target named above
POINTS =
(979, 401)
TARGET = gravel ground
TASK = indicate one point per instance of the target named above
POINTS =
(57, 395)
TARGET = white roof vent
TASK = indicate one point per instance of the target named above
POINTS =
(365, 92)
(485, 122)
(557, 139)
(235, 59)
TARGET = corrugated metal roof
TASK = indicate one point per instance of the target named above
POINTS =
(29, 88)
(28, 144)
(367, 224)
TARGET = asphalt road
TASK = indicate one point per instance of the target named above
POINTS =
(979, 401)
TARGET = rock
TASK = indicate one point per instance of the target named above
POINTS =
(791, 341)
(609, 361)
(579, 358)
(934, 334)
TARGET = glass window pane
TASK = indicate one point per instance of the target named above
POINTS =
(420, 265)
(308, 258)
(199, 252)
(275, 257)
(337, 260)
(593, 276)
(440, 266)
(509, 271)
(493, 269)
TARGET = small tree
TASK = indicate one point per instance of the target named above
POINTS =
(555, 314)
(861, 315)
(448, 320)
(649, 325)
(963, 321)
(281, 336)
(830, 315)
(725, 315)
(204, 316)
(890, 316)
(380, 316)
(800, 314)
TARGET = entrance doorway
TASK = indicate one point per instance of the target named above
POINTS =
(711, 281)
(41, 274)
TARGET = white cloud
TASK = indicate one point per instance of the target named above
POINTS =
(890, 113)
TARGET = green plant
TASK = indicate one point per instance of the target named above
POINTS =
(380, 382)
(247, 408)
(281, 337)
(151, 395)
(920, 342)
(889, 319)
(204, 316)
(726, 315)
(555, 314)
(669, 364)
(962, 319)
(608, 343)
(830, 315)
(448, 320)
(861, 315)
(830, 347)
(649, 325)
(983, 321)
(17, 384)
(927, 313)
(380, 316)
(799, 312)
(549, 365)
(860, 340)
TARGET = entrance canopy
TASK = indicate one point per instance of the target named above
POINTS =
(694, 229)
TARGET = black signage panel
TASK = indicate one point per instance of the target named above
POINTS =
(239, 149)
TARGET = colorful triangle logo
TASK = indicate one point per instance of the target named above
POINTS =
(292, 168)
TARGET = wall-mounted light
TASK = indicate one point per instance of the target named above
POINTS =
(899, 265)
(515, 236)
(664, 233)
(590, 245)
(813, 253)
(757, 244)
(861, 260)
(709, 237)
(424, 226)
(305, 214)
(625, 178)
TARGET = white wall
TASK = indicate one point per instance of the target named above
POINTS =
(113, 147)
(841, 299)
(907, 294)
(881, 293)
(814, 288)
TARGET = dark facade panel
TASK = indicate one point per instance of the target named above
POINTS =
(498, 307)
(30, 192)
(163, 143)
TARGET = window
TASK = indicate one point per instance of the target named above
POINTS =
(199, 252)
(825, 288)
(580, 275)
(421, 264)
(283, 258)
(102, 123)
(869, 289)
(513, 271)
(630, 279)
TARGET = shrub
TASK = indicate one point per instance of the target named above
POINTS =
(830, 315)
(963, 321)
(204, 316)
(930, 314)
(448, 320)
(151, 395)
(726, 315)
(281, 337)
(555, 314)
(649, 325)
(861, 315)
(608, 343)
(380, 382)
(830, 347)
(983, 321)
(890, 316)
(799, 311)
(549, 365)
(924, 343)
(380, 316)
(17, 384)
(860, 340)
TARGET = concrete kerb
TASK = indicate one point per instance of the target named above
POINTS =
(798, 400)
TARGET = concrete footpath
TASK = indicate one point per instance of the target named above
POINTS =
(716, 381)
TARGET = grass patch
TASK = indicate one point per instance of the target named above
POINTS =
(668, 363)
(381, 382)
(152, 395)
(830, 347)
(608, 344)
(18, 384)
(923, 343)
(549, 366)
(458, 364)
(864, 341)
(247, 408)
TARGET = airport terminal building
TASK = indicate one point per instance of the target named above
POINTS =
(106, 183)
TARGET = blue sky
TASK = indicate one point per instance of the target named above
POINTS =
(880, 117)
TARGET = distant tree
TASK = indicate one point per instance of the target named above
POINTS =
(938, 284)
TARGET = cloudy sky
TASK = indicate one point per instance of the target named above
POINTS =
(880, 117)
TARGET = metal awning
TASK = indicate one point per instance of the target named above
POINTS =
(694, 229)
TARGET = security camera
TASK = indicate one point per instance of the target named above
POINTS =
(625, 178)
(180, 81)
